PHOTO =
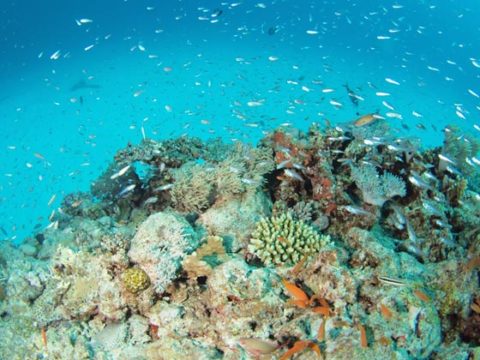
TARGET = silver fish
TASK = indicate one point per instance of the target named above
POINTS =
(283, 164)
(121, 172)
(355, 210)
(392, 281)
(151, 200)
(445, 158)
(418, 182)
(453, 170)
(293, 174)
(164, 187)
(126, 190)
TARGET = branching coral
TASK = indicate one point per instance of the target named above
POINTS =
(197, 187)
(193, 189)
(377, 189)
(282, 240)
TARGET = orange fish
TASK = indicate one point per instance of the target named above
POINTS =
(365, 120)
(325, 311)
(363, 336)
(299, 266)
(295, 291)
(44, 336)
(300, 345)
(475, 307)
(386, 312)
(421, 295)
(384, 341)
(321, 331)
(472, 263)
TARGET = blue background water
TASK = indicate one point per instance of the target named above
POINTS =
(218, 65)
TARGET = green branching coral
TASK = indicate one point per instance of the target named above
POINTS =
(282, 240)
(135, 280)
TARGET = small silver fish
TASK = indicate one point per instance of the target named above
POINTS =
(248, 181)
(126, 190)
(164, 187)
(293, 174)
(442, 224)
(418, 182)
(151, 200)
(392, 281)
(453, 170)
(339, 138)
(355, 210)
(399, 215)
(298, 166)
(445, 158)
(283, 164)
(431, 208)
(412, 236)
(121, 172)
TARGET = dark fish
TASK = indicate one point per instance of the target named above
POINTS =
(4, 232)
(351, 95)
(82, 84)
(272, 30)
(217, 13)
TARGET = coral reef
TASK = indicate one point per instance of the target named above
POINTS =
(338, 243)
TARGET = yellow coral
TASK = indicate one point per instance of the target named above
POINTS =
(135, 280)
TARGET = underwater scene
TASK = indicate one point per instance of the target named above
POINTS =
(265, 179)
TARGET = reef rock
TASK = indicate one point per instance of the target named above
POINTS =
(159, 246)
(236, 219)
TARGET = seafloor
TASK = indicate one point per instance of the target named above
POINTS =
(337, 243)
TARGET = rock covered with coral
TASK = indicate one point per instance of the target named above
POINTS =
(329, 242)
(236, 219)
(159, 246)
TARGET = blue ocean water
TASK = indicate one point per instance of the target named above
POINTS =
(81, 79)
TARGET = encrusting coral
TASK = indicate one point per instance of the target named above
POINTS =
(135, 280)
(282, 240)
